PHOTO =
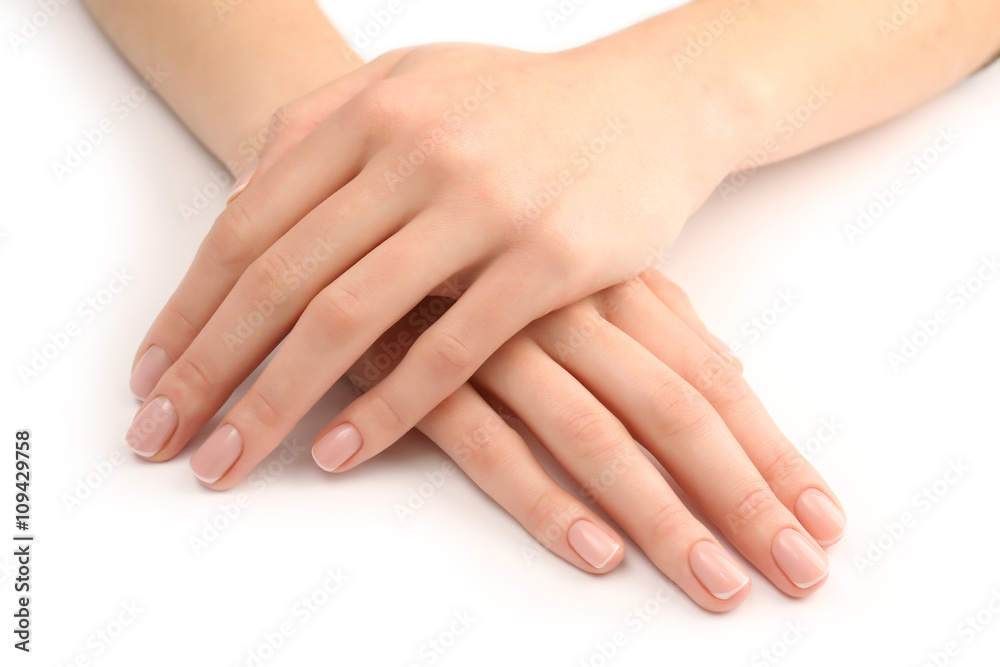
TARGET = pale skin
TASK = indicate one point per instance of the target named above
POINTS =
(647, 368)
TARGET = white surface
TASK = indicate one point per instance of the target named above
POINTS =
(826, 358)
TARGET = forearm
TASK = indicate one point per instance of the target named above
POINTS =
(850, 63)
(228, 68)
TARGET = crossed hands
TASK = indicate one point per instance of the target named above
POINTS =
(477, 226)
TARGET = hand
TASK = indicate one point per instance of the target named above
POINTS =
(329, 247)
(633, 361)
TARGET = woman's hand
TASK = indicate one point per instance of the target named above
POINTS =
(634, 361)
(517, 183)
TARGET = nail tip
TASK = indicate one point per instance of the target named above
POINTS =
(161, 418)
(607, 560)
(730, 594)
(812, 583)
(143, 454)
(204, 480)
(217, 455)
(321, 466)
(831, 541)
(340, 445)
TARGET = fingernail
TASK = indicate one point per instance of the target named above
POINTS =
(800, 562)
(334, 448)
(717, 571)
(592, 544)
(243, 181)
(151, 367)
(218, 454)
(817, 514)
(152, 427)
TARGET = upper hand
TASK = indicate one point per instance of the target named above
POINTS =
(517, 183)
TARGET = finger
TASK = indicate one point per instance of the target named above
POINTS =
(676, 299)
(386, 352)
(794, 481)
(336, 328)
(682, 430)
(597, 450)
(498, 460)
(244, 230)
(440, 361)
(292, 122)
(261, 308)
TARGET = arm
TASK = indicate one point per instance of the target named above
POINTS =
(870, 59)
(573, 169)
(494, 455)
(230, 67)
(701, 116)
(569, 167)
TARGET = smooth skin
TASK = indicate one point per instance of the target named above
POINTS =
(340, 231)
(765, 454)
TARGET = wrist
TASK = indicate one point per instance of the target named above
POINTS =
(252, 107)
(729, 103)
(258, 110)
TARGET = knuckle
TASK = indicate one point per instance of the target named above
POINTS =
(484, 448)
(269, 272)
(722, 381)
(381, 411)
(617, 296)
(262, 409)
(388, 103)
(670, 290)
(552, 257)
(338, 309)
(572, 329)
(580, 313)
(175, 320)
(485, 445)
(667, 522)
(562, 248)
(786, 468)
(193, 375)
(754, 502)
(677, 408)
(548, 517)
(595, 431)
(230, 242)
(466, 154)
(448, 354)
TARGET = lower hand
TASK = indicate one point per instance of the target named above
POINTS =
(634, 361)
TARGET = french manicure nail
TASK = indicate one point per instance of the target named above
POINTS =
(592, 544)
(243, 181)
(334, 448)
(716, 570)
(218, 454)
(817, 514)
(152, 427)
(152, 365)
(801, 563)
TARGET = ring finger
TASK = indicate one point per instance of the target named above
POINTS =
(597, 450)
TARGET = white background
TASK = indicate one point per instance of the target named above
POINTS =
(126, 536)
